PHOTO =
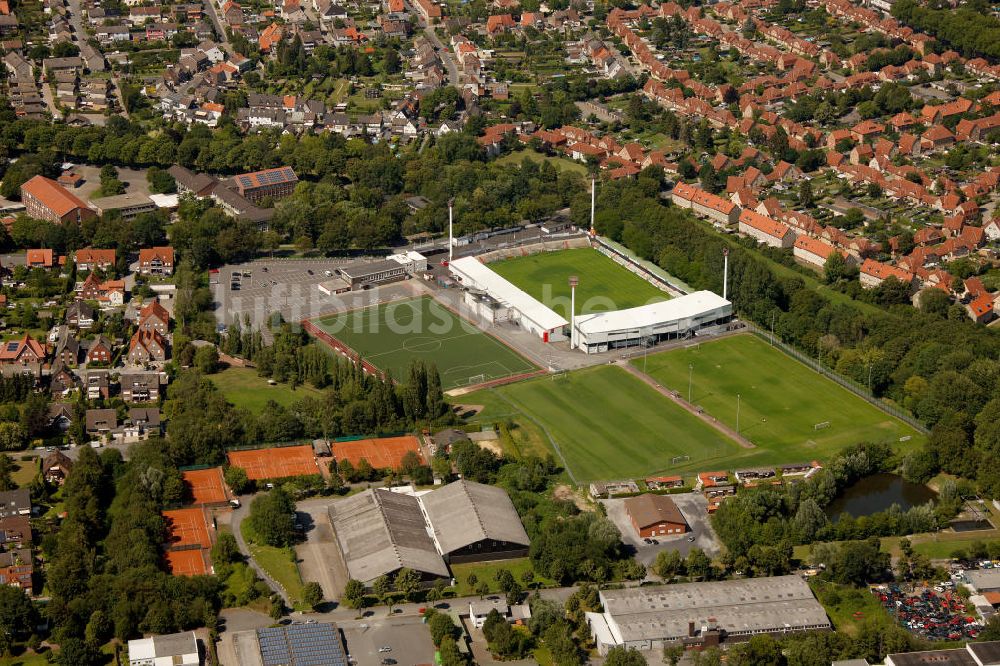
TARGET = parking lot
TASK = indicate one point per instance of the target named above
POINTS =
(694, 508)
(291, 287)
(318, 556)
(408, 638)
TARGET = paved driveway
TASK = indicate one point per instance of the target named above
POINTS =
(408, 638)
(319, 557)
(692, 505)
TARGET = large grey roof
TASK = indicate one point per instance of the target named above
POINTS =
(380, 531)
(780, 603)
(465, 512)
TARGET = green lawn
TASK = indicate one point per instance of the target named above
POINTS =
(848, 606)
(392, 335)
(280, 565)
(780, 400)
(608, 424)
(26, 471)
(486, 571)
(604, 285)
(560, 163)
(244, 388)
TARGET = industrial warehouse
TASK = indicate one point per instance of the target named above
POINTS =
(649, 324)
(380, 531)
(705, 614)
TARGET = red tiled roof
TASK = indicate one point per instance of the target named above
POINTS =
(763, 224)
(52, 195)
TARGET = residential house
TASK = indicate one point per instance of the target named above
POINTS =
(88, 259)
(156, 261)
(24, 351)
(15, 503)
(40, 258)
(80, 315)
(98, 385)
(56, 466)
(146, 346)
(100, 350)
(17, 569)
(140, 386)
(873, 273)
(100, 422)
(765, 230)
(154, 316)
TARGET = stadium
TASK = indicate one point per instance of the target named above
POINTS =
(497, 299)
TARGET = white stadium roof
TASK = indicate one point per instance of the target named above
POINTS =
(499, 288)
(650, 315)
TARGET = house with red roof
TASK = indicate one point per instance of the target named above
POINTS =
(156, 261)
(88, 259)
(24, 351)
(269, 37)
(705, 204)
(980, 309)
(873, 273)
(765, 230)
(40, 258)
(813, 251)
(45, 199)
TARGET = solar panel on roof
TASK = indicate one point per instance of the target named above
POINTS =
(301, 645)
(12, 346)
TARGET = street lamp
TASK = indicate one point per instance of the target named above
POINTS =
(690, 374)
(573, 281)
(737, 413)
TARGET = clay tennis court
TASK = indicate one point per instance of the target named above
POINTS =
(187, 528)
(192, 562)
(207, 486)
(383, 453)
(275, 463)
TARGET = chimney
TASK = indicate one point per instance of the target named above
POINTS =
(691, 628)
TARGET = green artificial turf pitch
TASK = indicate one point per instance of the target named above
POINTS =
(608, 424)
(604, 285)
(389, 336)
(781, 400)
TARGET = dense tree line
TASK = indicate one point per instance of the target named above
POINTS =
(972, 33)
(202, 425)
(105, 569)
(945, 371)
(760, 525)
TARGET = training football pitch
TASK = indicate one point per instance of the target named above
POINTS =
(391, 335)
(604, 285)
(608, 424)
(791, 413)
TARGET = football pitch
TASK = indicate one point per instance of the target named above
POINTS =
(391, 335)
(604, 285)
(608, 424)
(791, 413)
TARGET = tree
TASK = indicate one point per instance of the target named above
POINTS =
(806, 193)
(382, 587)
(312, 594)
(668, 564)
(354, 593)
(237, 479)
(206, 359)
(620, 656)
(859, 563)
(74, 652)
(698, 565)
(442, 627)
(450, 656)
(7, 469)
(482, 589)
(672, 654)
(272, 518)
(277, 608)
(17, 616)
(12, 436)
(407, 582)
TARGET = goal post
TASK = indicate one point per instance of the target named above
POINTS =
(821, 425)
(477, 379)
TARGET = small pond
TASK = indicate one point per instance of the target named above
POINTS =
(877, 493)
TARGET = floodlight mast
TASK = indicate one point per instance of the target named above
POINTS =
(573, 281)
(451, 236)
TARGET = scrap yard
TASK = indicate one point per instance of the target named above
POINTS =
(928, 613)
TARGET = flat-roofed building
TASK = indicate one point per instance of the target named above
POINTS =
(168, 650)
(128, 205)
(360, 276)
(667, 320)
(649, 618)
(532, 315)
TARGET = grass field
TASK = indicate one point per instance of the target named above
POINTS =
(780, 402)
(391, 335)
(486, 571)
(279, 563)
(604, 285)
(25, 473)
(560, 163)
(607, 423)
(243, 388)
